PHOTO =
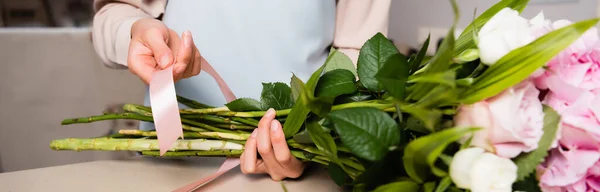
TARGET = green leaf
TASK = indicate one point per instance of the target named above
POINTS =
(277, 96)
(527, 162)
(302, 137)
(445, 78)
(441, 60)
(296, 87)
(337, 174)
(429, 117)
(415, 124)
(467, 56)
(405, 186)
(373, 55)
(421, 153)
(439, 96)
(444, 184)
(245, 104)
(393, 75)
(300, 108)
(336, 82)
(429, 186)
(323, 140)
(339, 60)
(414, 64)
(356, 97)
(466, 41)
(520, 63)
(368, 132)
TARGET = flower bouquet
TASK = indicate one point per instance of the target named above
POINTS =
(509, 104)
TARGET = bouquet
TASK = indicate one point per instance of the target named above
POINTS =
(511, 104)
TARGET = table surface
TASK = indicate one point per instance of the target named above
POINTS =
(153, 174)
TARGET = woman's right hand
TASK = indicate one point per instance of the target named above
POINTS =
(155, 47)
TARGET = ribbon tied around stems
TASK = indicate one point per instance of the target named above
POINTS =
(165, 111)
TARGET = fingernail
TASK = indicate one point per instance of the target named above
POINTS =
(187, 38)
(179, 69)
(253, 133)
(274, 126)
(270, 112)
(164, 60)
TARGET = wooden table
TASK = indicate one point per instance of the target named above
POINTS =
(152, 174)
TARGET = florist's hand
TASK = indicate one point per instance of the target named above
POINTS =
(155, 47)
(269, 140)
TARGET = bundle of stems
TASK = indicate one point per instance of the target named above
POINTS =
(208, 131)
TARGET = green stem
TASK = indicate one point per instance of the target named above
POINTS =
(203, 111)
(247, 121)
(310, 149)
(211, 118)
(191, 135)
(138, 109)
(191, 103)
(382, 105)
(194, 129)
(230, 126)
(218, 153)
(206, 126)
(300, 155)
(103, 144)
(111, 116)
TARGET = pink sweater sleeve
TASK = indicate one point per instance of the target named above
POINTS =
(111, 30)
(357, 21)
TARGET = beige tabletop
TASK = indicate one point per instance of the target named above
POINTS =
(143, 174)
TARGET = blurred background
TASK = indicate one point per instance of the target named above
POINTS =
(50, 70)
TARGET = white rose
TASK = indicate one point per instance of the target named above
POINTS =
(505, 32)
(479, 171)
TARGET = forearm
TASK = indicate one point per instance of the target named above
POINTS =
(357, 21)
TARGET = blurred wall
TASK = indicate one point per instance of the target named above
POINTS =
(407, 16)
(48, 75)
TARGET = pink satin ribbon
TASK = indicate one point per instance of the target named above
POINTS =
(167, 121)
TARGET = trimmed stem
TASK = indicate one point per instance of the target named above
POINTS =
(140, 145)
(191, 135)
(218, 153)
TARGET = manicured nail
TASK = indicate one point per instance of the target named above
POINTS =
(164, 60)
(187, 38)
(270, 113)
(274, 126)
(253, 133)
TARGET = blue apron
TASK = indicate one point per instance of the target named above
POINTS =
(250, 42)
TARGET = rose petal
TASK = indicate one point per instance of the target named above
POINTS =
(509, 150)
(572, 137)
(567, 167)
(563, 90)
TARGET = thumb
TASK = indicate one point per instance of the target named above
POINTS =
(156, 40)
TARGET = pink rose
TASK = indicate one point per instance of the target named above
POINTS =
(512, 121)
(570, 170)
(578, 65)
(580, 113)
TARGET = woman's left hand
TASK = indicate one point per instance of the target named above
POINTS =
(276, 159)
